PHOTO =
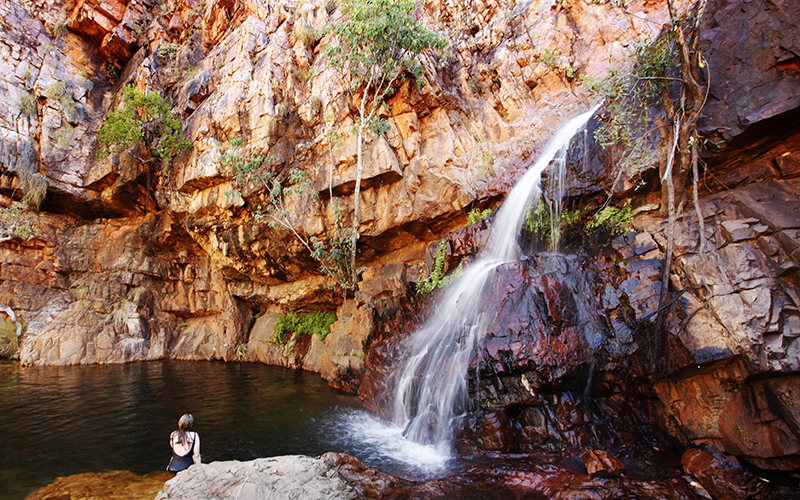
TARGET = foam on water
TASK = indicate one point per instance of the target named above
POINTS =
(383, 440)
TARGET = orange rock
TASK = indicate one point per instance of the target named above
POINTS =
(115, 485)
(599, 461)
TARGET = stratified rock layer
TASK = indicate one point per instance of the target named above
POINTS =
(136, 261)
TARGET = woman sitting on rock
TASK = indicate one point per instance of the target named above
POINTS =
(185, 446)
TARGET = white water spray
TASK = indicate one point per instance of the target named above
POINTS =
(430, 391)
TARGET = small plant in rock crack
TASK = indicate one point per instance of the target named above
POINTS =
(437, 278)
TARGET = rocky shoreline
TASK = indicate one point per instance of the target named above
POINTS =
(592, 474)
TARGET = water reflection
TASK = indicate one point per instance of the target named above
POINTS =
(57, 421)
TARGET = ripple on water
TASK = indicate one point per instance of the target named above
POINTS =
(61, 421)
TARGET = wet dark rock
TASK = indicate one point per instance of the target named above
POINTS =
(541, 476)
(494, 432)
(723, 478)
(755, 86)
(394, 319)
(368, 482)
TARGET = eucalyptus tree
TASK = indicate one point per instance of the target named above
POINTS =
(377, 43)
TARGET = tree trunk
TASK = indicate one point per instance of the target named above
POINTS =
(356, 203)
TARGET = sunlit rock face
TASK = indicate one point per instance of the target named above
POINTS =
(143, 261)
(136, 261)
(121, 485)
(133, 298)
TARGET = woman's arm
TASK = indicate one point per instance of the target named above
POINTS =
(197, 448)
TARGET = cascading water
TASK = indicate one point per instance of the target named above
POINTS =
(430, 391)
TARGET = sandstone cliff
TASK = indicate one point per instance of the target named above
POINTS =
(136, 262)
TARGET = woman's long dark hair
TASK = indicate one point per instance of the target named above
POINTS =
(184, 426)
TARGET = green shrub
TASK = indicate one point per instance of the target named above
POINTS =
(169, 50)
(314, 322)
(143, 119)
(574, 229)
(550, 58)
(476, 215)
(612, 219)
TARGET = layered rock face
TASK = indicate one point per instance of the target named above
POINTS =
(186, 266)
(567, 360)
(135, 261)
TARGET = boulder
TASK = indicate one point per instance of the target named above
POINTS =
(296, 477)
(288, 477)
(601, 461)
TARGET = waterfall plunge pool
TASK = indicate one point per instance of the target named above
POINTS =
(60, 421)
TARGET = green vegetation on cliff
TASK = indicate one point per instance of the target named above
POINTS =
(311, 323)
(17, 222)
(579, 227)
(655, 107)
(143, 119)
(378, 43)
(332, 252)
(437, 278)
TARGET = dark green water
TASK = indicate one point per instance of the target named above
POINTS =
(59, 421)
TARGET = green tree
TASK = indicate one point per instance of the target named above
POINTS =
(378, 42)
(143, 119)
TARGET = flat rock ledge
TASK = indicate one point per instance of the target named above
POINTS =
(294, 477)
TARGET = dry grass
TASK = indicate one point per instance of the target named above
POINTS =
(34, 186)
(56, 90)
(27, 104)
(9, 342)
(307, 36)
(59, 28)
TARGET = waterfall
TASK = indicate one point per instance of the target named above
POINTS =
(430, 388)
